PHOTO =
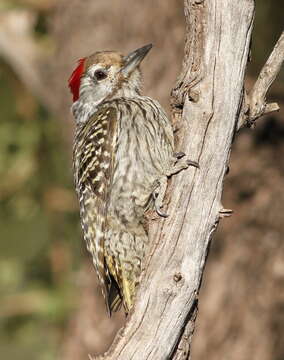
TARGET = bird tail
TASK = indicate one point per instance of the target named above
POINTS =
(124, 252)
(114, 299)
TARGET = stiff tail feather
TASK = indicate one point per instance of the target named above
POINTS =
(124, 252)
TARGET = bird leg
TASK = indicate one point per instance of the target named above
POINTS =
(159, 194)
(180, 163)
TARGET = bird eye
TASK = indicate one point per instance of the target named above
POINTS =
(100, 75)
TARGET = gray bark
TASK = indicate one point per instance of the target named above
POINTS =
(209, 92)
(208, 101)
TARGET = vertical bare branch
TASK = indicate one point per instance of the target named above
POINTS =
(206, 101)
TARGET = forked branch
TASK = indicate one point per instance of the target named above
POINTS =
(255, 104)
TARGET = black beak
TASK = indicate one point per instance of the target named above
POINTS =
(132, 60)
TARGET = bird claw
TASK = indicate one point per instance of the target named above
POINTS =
(158, 207)
(179, 155)
(159, 212)
(192, 163)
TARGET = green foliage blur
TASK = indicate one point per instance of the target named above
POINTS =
(41, 247)
(40, 237)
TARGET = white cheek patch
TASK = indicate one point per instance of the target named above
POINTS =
(97, 90)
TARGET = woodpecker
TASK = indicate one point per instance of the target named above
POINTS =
(123, 156)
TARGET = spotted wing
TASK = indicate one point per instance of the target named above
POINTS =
(93, 162)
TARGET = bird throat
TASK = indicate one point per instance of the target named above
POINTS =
(88, 102)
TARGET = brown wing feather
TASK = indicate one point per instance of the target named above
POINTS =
(93, 162)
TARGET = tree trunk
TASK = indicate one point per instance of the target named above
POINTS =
(207, 103)
(209, 106)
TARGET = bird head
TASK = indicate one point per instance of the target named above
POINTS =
(107, 74)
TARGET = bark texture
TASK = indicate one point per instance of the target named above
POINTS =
(210, 94)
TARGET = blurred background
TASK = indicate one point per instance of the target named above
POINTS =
(50, 304)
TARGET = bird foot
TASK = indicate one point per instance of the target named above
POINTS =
(180, 163)
(158, 200)
(179, 155)
(193, 163)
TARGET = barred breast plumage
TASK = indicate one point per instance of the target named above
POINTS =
(120, 153)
